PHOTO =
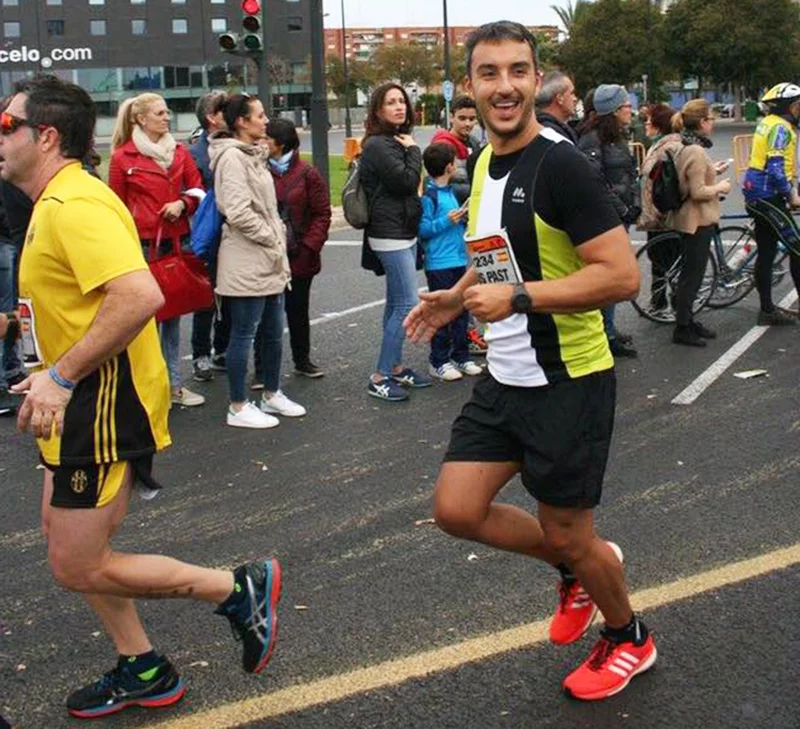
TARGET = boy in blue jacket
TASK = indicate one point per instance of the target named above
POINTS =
(441, 234)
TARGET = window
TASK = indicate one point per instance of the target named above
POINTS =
(217, 2)
(10, 2)
(12, 29)
(97, 27)
(138, 27)
(138, 2)
(295, 23)
(55, 27)
(219, 25)
(97, 2)
(180, 26)
(55, 2)
(179, 2)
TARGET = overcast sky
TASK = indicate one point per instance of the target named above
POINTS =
(378, 13)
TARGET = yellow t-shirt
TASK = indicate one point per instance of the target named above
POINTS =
(80, 237)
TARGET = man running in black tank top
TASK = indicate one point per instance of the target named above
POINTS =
(546, 407)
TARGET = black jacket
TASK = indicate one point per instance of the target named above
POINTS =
(390, 174)
(565, 130)
(618, 167)
(17, 211)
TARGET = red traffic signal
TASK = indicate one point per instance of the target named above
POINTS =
(251, 7)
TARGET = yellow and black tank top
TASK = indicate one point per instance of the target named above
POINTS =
(569, 206)
(81, 236)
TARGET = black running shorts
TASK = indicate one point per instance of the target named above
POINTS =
(559, 434)
(95, 486)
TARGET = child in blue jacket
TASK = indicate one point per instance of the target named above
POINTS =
(441, 234)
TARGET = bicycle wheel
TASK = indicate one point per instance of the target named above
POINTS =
(735, 273)
(660, 262)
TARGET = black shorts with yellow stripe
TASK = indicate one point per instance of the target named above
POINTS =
(95, 486)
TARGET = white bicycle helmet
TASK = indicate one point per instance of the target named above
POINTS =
(782, 94)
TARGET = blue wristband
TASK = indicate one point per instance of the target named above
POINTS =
(61, 381)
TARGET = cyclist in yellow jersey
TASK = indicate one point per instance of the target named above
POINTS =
(770, 189)
(99, 398)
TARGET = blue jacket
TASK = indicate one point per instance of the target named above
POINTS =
(442, 242)
(199, 152)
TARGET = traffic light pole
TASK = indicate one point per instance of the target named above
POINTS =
(264, 91)
(319, 96)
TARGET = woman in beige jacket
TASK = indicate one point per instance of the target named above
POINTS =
(253, 267)
(696, 218)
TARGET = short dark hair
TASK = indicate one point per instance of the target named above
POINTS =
(463, 102)
(236, 106)
(501, 30)
(284, 133)
(208, 104)
(374, 124)
(66, 107)
(436, 157)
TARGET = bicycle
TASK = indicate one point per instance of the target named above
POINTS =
(729, 275)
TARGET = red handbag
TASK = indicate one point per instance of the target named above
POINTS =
(182, 278)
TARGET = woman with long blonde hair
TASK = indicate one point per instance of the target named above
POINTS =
(159, 182)
(697, 216)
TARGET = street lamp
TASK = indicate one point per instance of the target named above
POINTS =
(446, 63)
(348, 126)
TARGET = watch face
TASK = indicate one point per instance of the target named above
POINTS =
(521, 303)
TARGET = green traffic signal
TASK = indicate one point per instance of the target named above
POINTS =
(252, 42)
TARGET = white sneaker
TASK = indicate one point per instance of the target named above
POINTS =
(186, 398)
(446, 373)
(279, 404)
(469, 368)
(251, 417)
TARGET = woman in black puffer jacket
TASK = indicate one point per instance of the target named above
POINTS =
(391, 166)
(606, 146)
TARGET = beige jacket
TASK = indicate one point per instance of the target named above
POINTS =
(698, 178)
(252, 254)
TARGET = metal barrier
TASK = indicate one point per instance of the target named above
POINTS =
(742, 145)
(638, 151)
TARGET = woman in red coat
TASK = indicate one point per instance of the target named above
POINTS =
(159, 183)
(306, 209)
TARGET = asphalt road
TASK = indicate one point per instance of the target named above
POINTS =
(692, 493)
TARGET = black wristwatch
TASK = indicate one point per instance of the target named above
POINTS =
(521, 300)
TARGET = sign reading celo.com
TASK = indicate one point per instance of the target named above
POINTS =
(34, 55)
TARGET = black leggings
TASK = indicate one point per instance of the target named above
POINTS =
(773, 223)
(696, 248)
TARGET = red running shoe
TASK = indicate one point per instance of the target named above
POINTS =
(576, 610)
(610, 668)
(475, 342)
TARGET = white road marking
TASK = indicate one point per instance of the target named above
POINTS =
(715, 371)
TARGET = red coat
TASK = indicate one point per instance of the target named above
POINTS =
(310, 210)
(145, 188)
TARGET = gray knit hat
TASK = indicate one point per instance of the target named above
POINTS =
(608, 98)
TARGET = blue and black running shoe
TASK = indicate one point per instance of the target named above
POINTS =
(254, 618)
(121, 688)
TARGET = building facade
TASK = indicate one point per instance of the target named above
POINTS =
(360, 43)
(118, 48)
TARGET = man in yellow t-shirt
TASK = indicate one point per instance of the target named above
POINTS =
(99, 398)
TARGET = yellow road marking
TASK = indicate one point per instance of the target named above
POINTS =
(391, 673)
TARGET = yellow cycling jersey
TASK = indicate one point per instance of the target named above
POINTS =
(774, 137)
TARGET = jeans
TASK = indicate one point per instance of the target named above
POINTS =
(696, 249)
(246, 314)
(296, 303)
(269, 343)
(401, 297)
(202, 321)
(11, 363)
(608, 321)
(449, 342)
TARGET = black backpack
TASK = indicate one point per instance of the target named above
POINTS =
(666, 184)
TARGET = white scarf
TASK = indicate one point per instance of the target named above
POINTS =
(162, 152)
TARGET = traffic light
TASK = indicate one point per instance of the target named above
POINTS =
(250, 40)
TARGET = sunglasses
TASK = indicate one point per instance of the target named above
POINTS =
(10, 123)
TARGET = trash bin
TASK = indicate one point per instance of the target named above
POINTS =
(750, 111)
(352, 148)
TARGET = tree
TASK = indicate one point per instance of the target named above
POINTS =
(548, 51)
(358, 79)
(570, 14)
(407, 64)
(747, 43)
(613, 41)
